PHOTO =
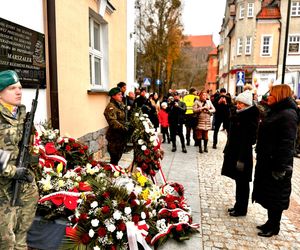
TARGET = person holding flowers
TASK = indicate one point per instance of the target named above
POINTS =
(116, 118)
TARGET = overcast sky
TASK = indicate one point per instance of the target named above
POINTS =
(203, 17)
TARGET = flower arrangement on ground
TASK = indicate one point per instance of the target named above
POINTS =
(107, 207)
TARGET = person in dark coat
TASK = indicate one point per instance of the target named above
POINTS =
(238, 159)
(275, 149)
(222, 104)
(176, 112)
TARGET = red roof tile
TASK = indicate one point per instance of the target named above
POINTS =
(201, 41)
(269, 13)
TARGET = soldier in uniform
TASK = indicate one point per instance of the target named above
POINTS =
(116, 134)
(15, 221)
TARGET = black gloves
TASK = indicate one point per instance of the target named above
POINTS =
(240, 166)
(23, 174)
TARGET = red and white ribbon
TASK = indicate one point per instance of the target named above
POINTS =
(44, 157)
(117, 168)
(137, 233)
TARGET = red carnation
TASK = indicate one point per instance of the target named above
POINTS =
(121, 205)
(174, 214)
(81, 151)
(107, 168)
(85, 147)
(83, 216)
(122, 226)
(105, 209)
(71, 231)
(50, 148)
(179, 228)
(113, 247)
(136, 218)
(144, 166)
(71, 140)
(85, 239)
(146, 152)
(106, 195)
(68, 148)
(102, 231)
(172, 205)
(76, 145)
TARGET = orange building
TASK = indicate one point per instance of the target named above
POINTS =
(212, 71)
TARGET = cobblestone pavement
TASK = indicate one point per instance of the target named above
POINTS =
(210, 195)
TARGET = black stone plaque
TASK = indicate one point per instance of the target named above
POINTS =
(23, 50)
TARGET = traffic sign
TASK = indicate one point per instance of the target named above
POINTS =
(240, 78)
(147, 82)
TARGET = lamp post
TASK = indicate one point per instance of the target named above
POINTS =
(286, 41)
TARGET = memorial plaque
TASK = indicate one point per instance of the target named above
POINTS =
(23, 50)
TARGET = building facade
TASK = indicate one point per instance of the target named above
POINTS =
(254, 45)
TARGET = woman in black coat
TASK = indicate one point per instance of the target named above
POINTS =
(238, 159)
(275, 149)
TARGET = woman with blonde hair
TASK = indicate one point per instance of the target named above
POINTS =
(204, 108)
(275, 150)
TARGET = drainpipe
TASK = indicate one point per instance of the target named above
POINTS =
(54, 107)
(286, 41)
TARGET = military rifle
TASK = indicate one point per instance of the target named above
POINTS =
(24, 154)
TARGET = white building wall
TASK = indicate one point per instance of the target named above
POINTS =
(29, 14)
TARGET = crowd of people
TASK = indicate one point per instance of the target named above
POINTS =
(269, 126)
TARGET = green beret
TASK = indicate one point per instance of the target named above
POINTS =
(8, 77)
(114, 91)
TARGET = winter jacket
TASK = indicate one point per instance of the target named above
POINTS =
(275, 149)
(163, 118)
(241, 136)
(204, 111)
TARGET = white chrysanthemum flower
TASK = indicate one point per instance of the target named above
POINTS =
(127, 210)
(117, 215)
(111, 227)
(140, 141)
(94, 204)
(96, 248)
(91, 233)
(116, 174)
(119, 235)
(138, 189)
(155, 143)
(136, 114)
(143, 215)
(95, 222)
(61, 183)
(142, 118)
(147, 130)
(129, 187)
(46, 182)
(78, 178)
(144, 147)
(152, 138)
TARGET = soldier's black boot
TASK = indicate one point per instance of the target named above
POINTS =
(205, 146)
(188, 142)
(174, 148)
(200, 146)
(184, 149)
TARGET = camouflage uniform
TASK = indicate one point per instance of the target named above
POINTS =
(15, 221)
(116, 133)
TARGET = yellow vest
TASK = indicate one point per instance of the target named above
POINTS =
(189, 102)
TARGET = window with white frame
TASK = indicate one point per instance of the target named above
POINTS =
(295, 8)
(266, 45)
(98, 56)
(294, 44)
(248, 45)
(239, 46)
(250, 11)
(242, 11)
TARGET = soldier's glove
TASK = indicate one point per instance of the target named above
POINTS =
(278, 175)
(240, 166)
(23, 174)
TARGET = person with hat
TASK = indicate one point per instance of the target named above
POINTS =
(238, 159)
(15, 220)
(116, 118)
